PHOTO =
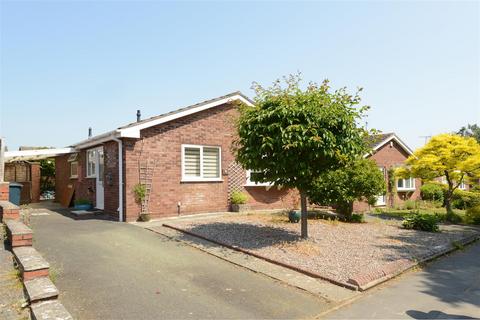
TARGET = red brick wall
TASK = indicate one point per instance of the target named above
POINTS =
(212, 127)
(4, 191)
(85, 187)
(391, 155)
(110, 184)
(35, 173)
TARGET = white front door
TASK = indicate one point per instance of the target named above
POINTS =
(100, 198)
(381, 199)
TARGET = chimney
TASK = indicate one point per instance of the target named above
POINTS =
(89, 132)
(139, 115)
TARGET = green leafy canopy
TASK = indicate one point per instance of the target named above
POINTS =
(360, 180)
(292, 135)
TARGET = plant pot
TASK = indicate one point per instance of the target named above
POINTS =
(239, 207)
(294, 216)
(83, 206)
(144, 217)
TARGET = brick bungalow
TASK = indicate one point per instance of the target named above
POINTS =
(389, 151)
(184, 156)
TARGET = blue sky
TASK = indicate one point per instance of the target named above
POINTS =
(66, 66)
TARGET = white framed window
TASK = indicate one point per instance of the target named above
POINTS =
(74, 169)
(406, 184)
(251, 183)
(201, 163)
(91, 163)
(462, 186)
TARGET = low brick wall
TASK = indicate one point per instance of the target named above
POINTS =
(4, 191)
(8, 211)
(18, 234)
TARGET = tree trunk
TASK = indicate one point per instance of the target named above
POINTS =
(448, 198)
(303, 202)
(448, 206)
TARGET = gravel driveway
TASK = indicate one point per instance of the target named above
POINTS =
(335, 249)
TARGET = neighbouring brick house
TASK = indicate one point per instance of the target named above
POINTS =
(389, 151)
(185, 155)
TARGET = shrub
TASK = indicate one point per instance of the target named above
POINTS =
(465, 199)
(357, 218)
(238, 197)
(409, 204)
(81, 201)
(424, 222)
(140, 192)
(472, 215)
(454, 218)
(432, 192)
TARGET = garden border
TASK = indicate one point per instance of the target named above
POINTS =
(360, 282)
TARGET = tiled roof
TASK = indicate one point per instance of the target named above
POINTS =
(184, 109)
(375, 139)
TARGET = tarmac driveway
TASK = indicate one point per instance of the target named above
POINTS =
(111, 270)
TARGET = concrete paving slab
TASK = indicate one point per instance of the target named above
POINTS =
(40, 289)
(17, 227)
(30, 259)
(50, 310)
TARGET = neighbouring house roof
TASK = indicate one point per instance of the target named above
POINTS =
(377, 141)
(36, 154)
(132, 130)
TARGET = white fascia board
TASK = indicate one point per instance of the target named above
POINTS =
(38, 153)
(97, 140)
(134, 131)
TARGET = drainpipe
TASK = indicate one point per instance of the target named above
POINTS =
(121, 218)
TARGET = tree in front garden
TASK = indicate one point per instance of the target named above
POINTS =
(292, 135)
(471, 130)
(451, 156)
(360, 180)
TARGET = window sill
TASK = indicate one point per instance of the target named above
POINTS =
(74, 177)
(258, 185)
(200, 180)
(405, 189)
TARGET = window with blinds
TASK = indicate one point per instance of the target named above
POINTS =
(191, 162)
(200, 163)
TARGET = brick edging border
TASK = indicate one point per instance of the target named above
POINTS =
(282, 264)
(361, 282)
(394, 269)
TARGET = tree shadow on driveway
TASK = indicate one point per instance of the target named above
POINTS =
(244, 235)
(435, 314)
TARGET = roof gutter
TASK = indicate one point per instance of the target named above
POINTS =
(108, 136)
